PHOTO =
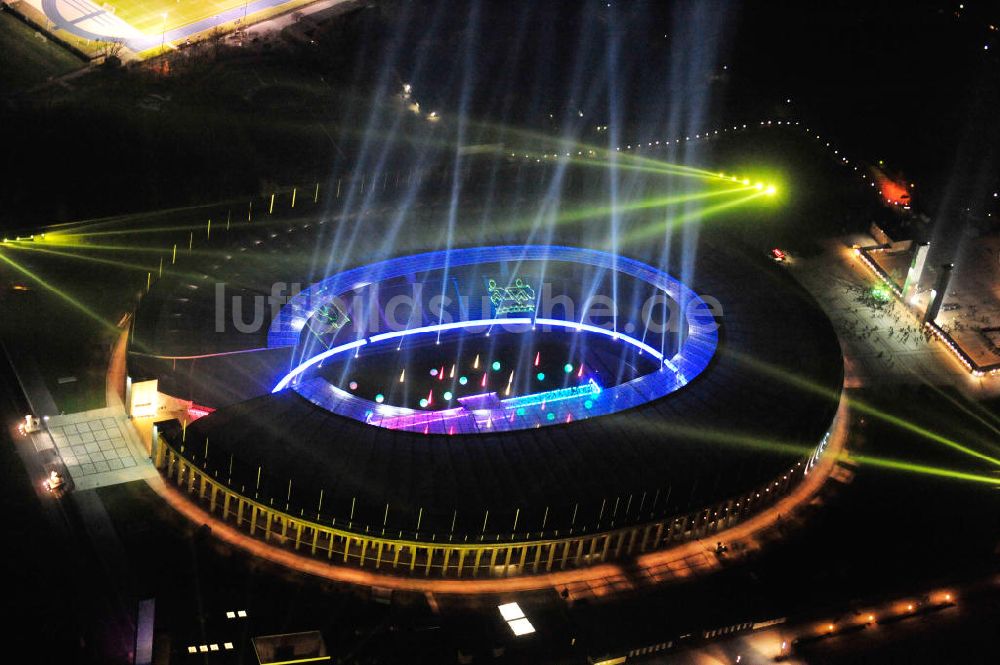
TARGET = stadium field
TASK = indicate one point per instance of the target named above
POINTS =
(153, 17)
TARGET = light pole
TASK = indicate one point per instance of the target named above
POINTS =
(163, 31)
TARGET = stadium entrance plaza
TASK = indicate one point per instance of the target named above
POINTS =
(884, 345)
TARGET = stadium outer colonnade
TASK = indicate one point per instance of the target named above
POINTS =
(462, 558)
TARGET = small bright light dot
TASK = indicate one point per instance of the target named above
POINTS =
(496, 365)
(540, 376)
(423, 402)
(462, 380)
(588, 404)
(380, 398)
(434, 371)
(447, 394)
(353, 385)
(759, 186)
(567, 368)
(550, 416)
(770, 191)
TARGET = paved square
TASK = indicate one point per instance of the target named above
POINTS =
(99, 448)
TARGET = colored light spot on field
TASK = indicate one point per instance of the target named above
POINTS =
(550, 416)
(520, 411)
(434, 371)
(568, 367)
(423, 402)
(380, 398)
(540, 376)
(462, 380)
(496, 365)
(588, 404)
(447, 394)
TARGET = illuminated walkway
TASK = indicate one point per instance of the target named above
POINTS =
(676, 563)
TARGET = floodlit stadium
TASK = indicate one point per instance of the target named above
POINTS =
(151, 27)
(486, 409)
(424, 331)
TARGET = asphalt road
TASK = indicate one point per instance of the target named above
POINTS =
(63, 601)
(968, 633)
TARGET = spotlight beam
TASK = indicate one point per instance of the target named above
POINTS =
(862, 407)
(600, 211)
(650, 231)
(73, 302)
(753, 442)
(124, 265)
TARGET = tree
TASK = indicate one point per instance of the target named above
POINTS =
(111, 50)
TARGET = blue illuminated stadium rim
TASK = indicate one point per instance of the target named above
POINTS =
(698, 348)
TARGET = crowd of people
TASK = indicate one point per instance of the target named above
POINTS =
(903, 328)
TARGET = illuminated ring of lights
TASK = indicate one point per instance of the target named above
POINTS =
(698, 349)
(458, 325)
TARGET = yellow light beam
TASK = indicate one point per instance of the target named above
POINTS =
(857, 405)
(754, 442)
(75, 304)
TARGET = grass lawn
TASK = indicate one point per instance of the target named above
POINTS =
(28, 57)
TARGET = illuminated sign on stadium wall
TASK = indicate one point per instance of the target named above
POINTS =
(516, 298)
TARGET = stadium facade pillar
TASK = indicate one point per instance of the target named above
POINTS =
(916, 270)
(941, 288)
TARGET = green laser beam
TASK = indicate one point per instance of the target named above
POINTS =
(858, 405)
(562, 146)
(599, 211)
(657, 229)
(58, 292)
(965, 409)
(124, 265)
(763, 444)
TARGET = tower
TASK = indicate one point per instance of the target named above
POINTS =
(940, 289)
(916, 270)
